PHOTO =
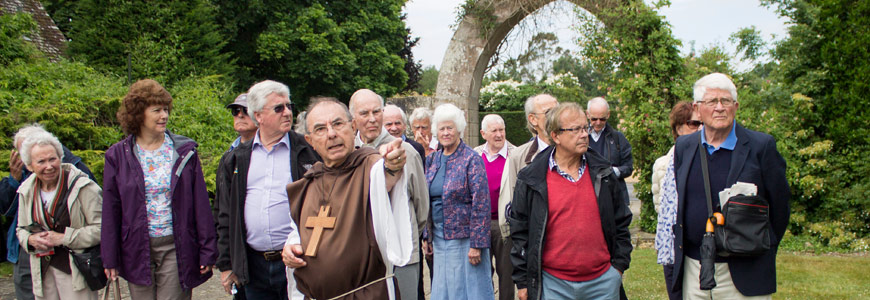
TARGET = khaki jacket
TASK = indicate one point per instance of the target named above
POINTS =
(85, 204)
(518, 159)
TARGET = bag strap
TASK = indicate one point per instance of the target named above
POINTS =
(108, 290)
(706, 171)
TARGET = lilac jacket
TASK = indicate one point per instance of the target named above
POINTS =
(466, 195)
(125, 241)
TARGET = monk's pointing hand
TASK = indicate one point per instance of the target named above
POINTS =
(394, 155)
(291, 256)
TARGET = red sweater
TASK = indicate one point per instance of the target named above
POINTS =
(574, 246)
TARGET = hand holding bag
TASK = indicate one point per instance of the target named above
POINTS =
(743, 228)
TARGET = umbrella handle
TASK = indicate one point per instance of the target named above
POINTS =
(710, 224)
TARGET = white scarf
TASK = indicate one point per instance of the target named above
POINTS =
(392, 223)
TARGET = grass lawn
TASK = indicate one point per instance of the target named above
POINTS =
(799, 276)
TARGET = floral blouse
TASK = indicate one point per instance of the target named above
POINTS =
(667, 217)
(157, 167)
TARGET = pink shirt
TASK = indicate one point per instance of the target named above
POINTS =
(494, 170)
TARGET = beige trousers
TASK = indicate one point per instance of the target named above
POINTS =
(165, 284)
(56, 283)
(724, 289)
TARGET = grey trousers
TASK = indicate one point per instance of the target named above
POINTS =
(500, 249)
(21, 276)
(165, 284)
(408, 277)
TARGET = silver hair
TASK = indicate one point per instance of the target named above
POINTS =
(317, 101)
(713, 81)
(42, 138)
(597, 101)
(448, 112)
(300, 123)
(529, 108)
(351, 102)
(421, 113)
(489, 119)
(26, 131)
(401, 112)
(257, 96)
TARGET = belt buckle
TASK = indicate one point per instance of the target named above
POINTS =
(272, 255)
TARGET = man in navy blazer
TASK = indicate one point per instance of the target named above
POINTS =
(734, 154)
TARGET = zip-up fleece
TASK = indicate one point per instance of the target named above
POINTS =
(529, 213)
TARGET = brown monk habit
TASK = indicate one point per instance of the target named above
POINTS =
(348, 256)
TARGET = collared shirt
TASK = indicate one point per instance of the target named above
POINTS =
(236, 143)
(555, 167)
(595, 135)
(729, 143)
(491, 157)
(433, 143)
(541, 144)
(267, 212)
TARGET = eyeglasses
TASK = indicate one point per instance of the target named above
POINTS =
(322, 129)
(726, 102)
(575, 130)
(694, 123)
(279, 109)
(238, 109)
(598, 119)
(543, 113)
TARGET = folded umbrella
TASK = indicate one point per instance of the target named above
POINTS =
(708, 259)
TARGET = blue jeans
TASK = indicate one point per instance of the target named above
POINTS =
(266, 279)
(605, 286)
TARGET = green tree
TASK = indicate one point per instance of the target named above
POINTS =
(13, 29)
(164, 40)
(639, 53)
(428, 81)
(318, 47)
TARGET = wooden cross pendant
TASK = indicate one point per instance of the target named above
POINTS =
(321, 221)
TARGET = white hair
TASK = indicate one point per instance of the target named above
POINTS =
(42, 138)
(529, 108)
(448, 112)
(26, 131)
(420, 113)
(258, 92)
(352, 103)
(399, 109)
(489, 119)
(713, 81)
(597, 101)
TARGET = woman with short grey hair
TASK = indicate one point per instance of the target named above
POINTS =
(60, 210)
(459, 227)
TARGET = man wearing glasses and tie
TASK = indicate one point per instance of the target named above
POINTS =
(609, 142)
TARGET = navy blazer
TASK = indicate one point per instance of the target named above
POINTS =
(754, 160)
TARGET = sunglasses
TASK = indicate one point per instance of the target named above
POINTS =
(597, 119)
(694, 123)
(279, 109)
(238, 109)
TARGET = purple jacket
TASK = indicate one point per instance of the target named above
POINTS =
(466, 195)
(125, 240)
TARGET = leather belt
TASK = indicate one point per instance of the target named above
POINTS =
(269, 255)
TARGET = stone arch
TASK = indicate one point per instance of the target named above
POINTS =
(472, 46)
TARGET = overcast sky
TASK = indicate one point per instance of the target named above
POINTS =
(706, 22)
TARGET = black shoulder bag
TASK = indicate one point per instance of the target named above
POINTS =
(743, 229)
(89, 262)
